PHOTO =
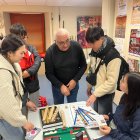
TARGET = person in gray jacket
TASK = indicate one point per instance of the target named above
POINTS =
(30, 76)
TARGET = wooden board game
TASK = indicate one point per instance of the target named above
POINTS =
(71, 133)
(50, 117)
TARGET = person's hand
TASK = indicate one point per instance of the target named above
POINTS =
(71, 85)
(105, 129)
(25, 74)
(91, 100)
(89, 91)
(31, 106)
(28, 126)
(64, 90)
(106, 117)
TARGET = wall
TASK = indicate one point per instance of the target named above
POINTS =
(68, 14)
(129, 26)
(108, 12)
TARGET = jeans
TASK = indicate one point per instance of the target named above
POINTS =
(34, 97)
(59, 97)
(103, 105)
(9, 132)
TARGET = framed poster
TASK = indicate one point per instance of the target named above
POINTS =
(134, 65)
(122, 7)
(83, 23)
(120, 27)
(134, 43)
(136, 12)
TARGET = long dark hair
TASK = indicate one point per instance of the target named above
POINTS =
(11, 43)
(132, 99)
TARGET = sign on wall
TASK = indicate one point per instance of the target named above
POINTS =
(136, 12)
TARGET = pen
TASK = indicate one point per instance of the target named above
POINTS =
(83, 118)
(75, 117)
(83, 115)
(92, 119)
(87, 111)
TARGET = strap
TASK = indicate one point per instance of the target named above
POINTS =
(97, 69)
(13, 83)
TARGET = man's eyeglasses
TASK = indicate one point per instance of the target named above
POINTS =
(62, 43)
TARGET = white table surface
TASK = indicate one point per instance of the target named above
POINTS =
(34, 117)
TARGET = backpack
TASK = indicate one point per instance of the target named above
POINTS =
(124, 68)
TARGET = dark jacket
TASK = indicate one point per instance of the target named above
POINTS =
(127, 129)
(32, 84)
(61, 67)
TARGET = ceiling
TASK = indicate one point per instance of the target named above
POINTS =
(74, 3)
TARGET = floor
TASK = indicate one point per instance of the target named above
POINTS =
(45, 90)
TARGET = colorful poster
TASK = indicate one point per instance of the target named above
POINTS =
(134, 65)
(120, 27)
(122, 7)
(134, 44)
(83, 23)
(136, 12)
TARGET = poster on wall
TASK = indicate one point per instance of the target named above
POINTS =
(134, 43)
(134, 65)
(136, 12)
(119, 45)
(122, 7)
(120, 27)
(83, 23)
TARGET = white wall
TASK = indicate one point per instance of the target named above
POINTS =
(68, 14)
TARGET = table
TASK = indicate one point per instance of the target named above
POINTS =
(34, 117)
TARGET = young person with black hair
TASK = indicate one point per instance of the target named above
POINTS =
(11, 91)
(29, 70)
(126, 119)
(107, 76)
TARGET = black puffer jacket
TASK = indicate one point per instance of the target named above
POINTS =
(32, 84)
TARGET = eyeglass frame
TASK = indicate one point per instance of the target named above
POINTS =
(62, 43)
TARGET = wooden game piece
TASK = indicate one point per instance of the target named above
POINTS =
(51, 113)
(54, 115)
(63, 118)
(45, 114)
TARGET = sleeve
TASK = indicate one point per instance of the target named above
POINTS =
(49, 69)
(34, 69)
(134, 132)
(10, 109)
(82, 65)
(109, 85)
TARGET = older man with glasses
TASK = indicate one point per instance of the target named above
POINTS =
(65, 64)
